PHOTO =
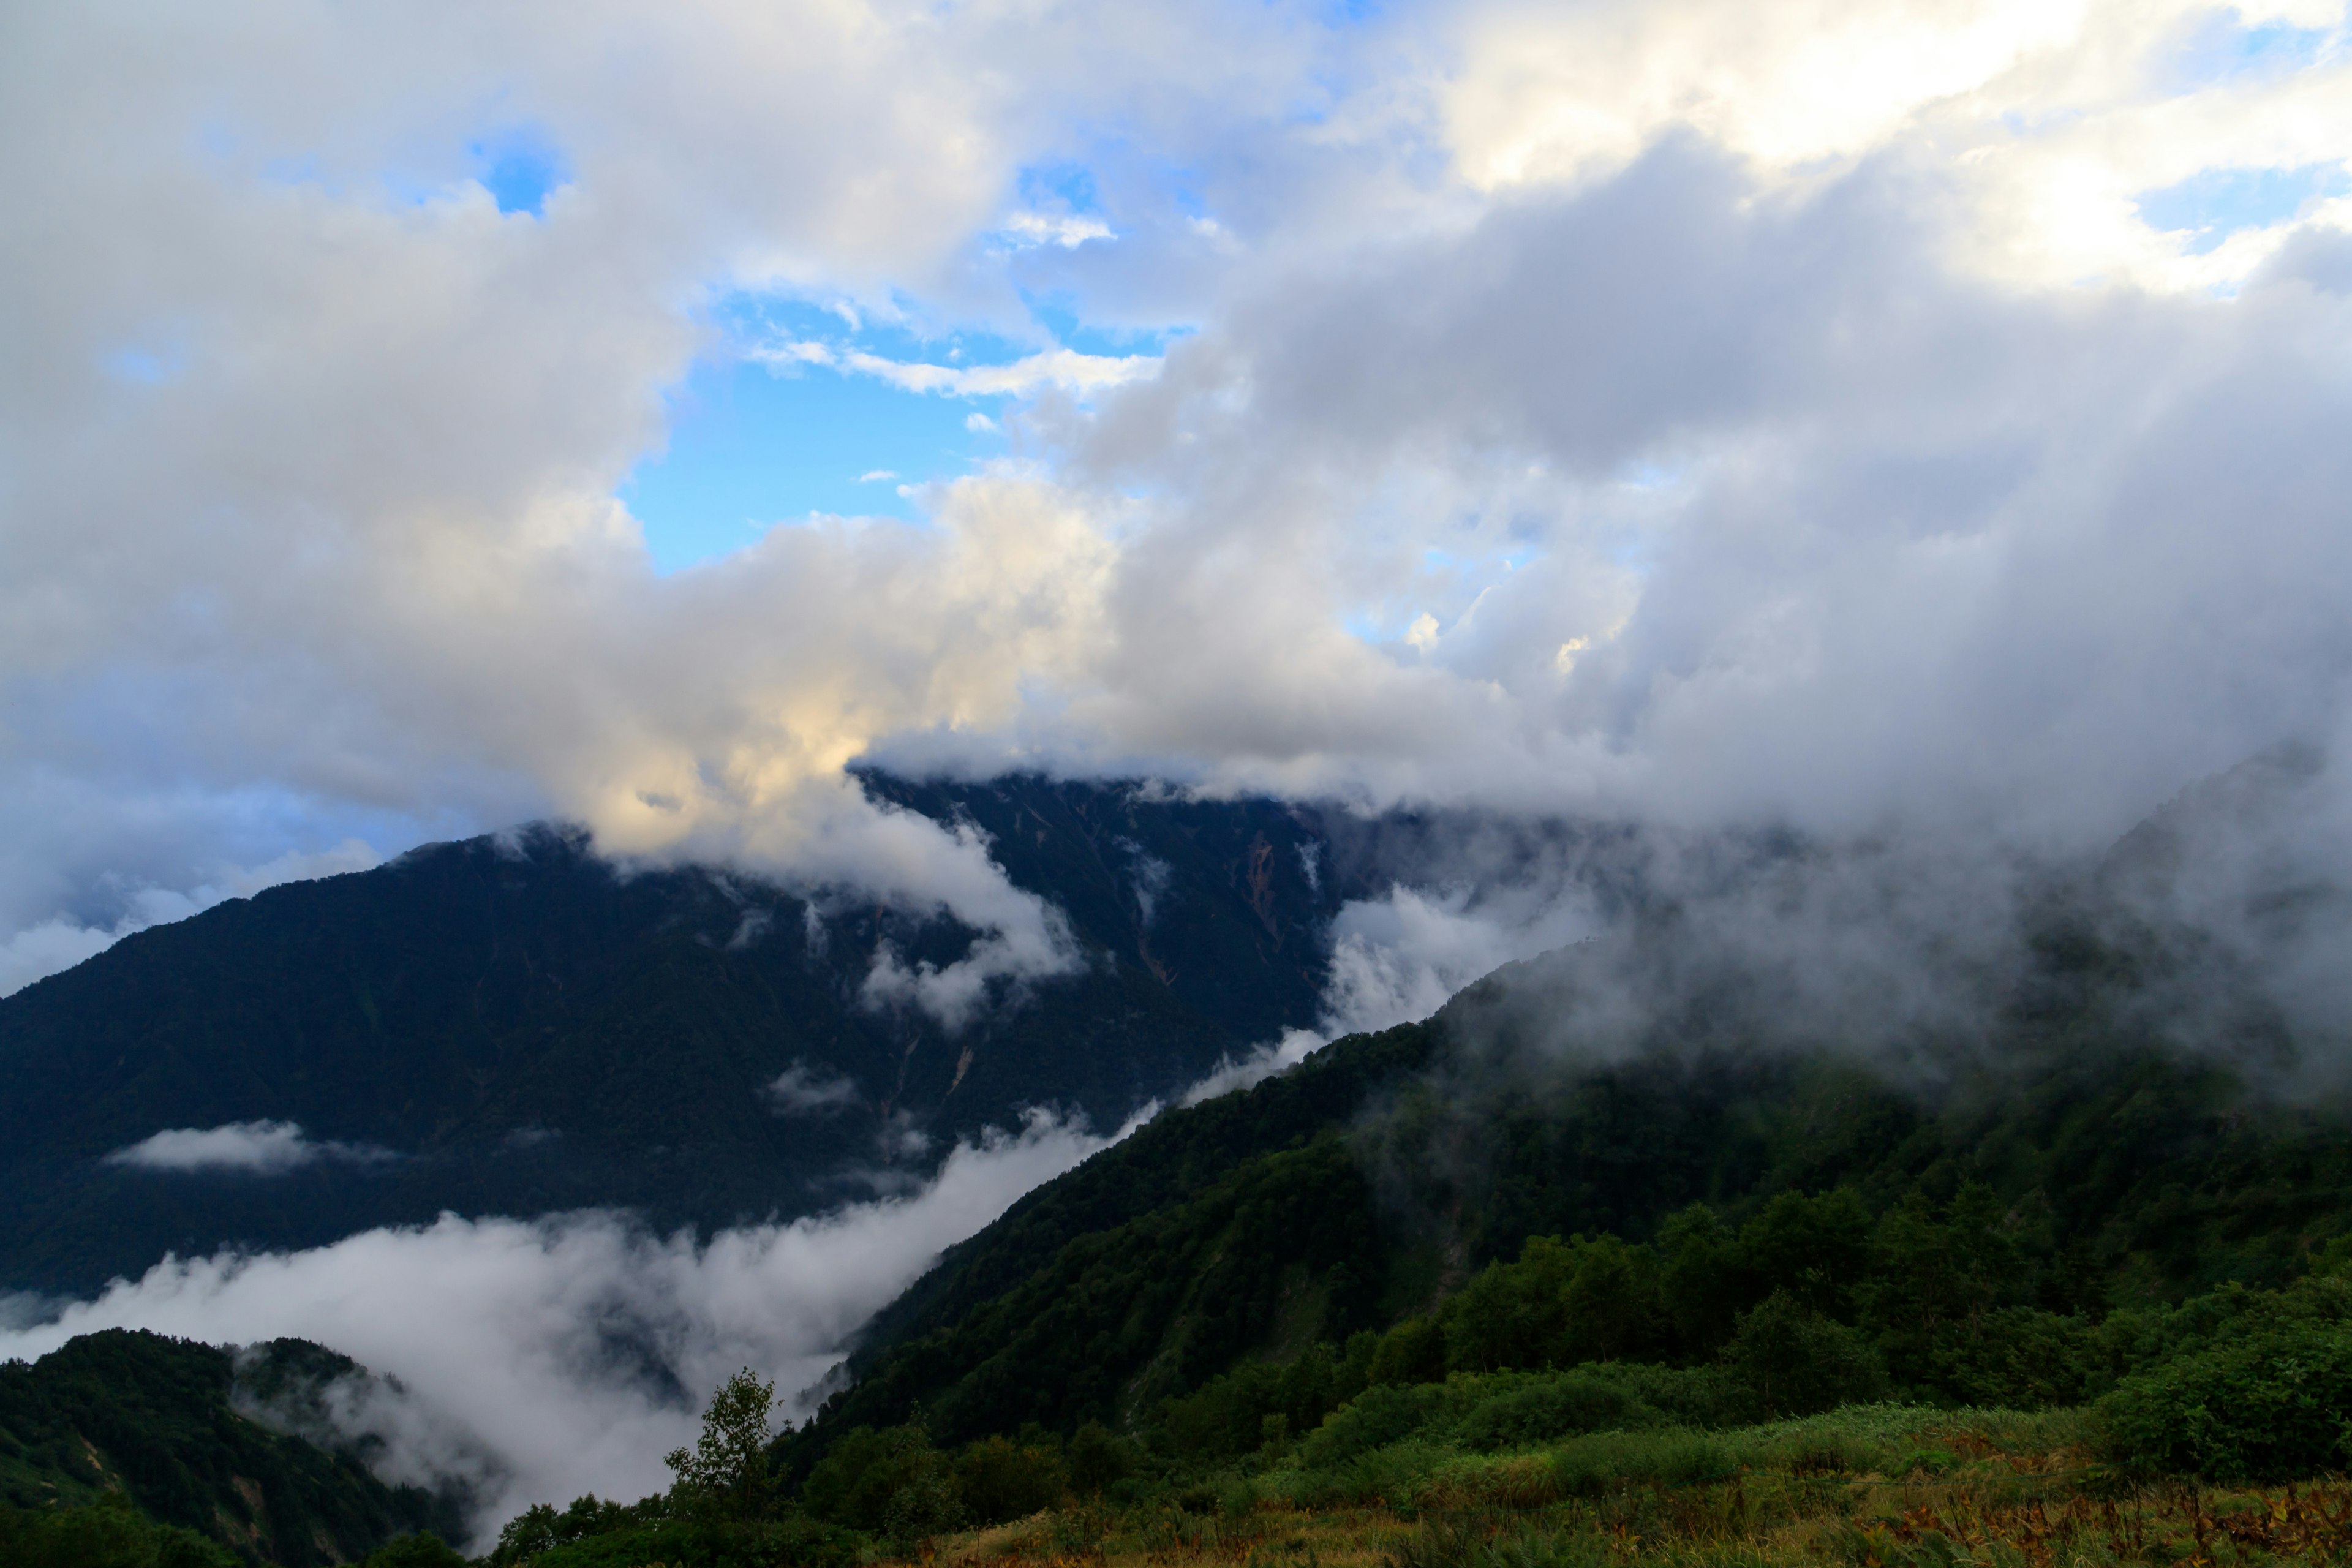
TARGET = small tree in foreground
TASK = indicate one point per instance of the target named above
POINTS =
(728, 1465)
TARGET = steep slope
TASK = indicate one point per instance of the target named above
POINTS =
(156, 1419)
(2127, 1151)
(511, 1025)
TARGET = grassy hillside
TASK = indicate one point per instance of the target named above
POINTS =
(152, 1421)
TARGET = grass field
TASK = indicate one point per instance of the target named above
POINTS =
(1873, 1486)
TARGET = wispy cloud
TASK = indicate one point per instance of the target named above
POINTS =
(802, 1090)
(1058, 367)
(250, 1148)
(1031, 229)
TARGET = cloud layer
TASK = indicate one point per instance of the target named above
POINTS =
(544, 1359)
(1674, 409)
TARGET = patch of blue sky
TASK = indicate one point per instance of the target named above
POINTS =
(1062, 186)
(2214, 204)
(756, 323)
(519, 165)
(750, 447)
(1058, 312)
(145, 365)
(2224, 48)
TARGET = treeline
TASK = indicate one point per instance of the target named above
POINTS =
(2234, 1385)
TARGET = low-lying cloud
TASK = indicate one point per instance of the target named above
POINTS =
(547, 1358)
(802, 1090)
(247, 1148)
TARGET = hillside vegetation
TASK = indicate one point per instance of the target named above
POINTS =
(131, 1443)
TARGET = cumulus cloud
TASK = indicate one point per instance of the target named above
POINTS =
(543, 1359)
(245, 1148)
(1695, 412)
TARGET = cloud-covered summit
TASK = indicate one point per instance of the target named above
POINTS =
(1861, 414)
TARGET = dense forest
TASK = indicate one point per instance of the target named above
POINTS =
(124, 1446)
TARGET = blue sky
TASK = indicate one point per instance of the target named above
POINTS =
(750, 447)
(762, 433)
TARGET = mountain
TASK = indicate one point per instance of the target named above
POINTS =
(2081, 1145)
(511, 1025)
(169, 1424)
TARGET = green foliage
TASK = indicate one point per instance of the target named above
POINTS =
(107, 1533)
(1607, 1461)
(425, 1550)
(1413, 1351)
(152, 1417)
(1099, 1459)
(1561, 1303)
(727, 1470)
(998, 1479)
(1242, 1409)
(888, 1481)
(1797, 1360)
(2271, 1404)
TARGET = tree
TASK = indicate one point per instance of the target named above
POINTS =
(1098, 1459)
(728, 1466)
(1796, 1361)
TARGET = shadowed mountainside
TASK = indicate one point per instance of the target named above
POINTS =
(158, 1420)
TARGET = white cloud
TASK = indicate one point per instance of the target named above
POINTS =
(59, 942)
(1065, 369)
(549, 1357)
(1774, 414)
(1064, 229)
(802, 1090)
(247, 1148)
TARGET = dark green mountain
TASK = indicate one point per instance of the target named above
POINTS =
(1973, 1199)
(511, 1025)
(159, 1421)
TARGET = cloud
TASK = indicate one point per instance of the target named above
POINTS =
(1694, 412)
(802, 1090)
(543, 1359)
(61, 943)
(1053, 228)
(1062, 369)
(248, 1148)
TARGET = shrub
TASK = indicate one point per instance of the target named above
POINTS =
(999, 1480)
(2270, 1406)
(1413, 1351)
(1796, 1361)
(107, 1533)
(1099, 1459)
(1373, 1419)
(1607, 1461)
(1556, 1407)
(859, 1484)
(426, 1551)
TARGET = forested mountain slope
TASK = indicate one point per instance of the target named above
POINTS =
(1972, 1203)
(512, 1025)
(156, 1419)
